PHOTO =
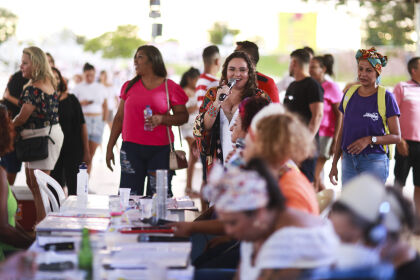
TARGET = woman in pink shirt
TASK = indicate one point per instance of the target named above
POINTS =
(319, 67)
(145, 150)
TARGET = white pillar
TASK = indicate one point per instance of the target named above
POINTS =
(417, 26)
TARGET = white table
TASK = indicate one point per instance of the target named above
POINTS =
(96, 204)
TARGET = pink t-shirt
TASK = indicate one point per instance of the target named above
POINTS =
(407, 95)
(332, 95)
(136, 100)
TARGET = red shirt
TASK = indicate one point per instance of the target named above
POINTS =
(268, 85)
(136, 100)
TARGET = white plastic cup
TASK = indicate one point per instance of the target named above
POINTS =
(125, 196)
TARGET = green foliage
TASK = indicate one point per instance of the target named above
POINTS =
(219, 31)
(120, 43)
(390, 23)
(8, 21)
(270, 65)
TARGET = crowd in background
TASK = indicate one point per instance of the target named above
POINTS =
(262, 157)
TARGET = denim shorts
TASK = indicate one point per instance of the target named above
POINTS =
(375, 164)
(95, 128)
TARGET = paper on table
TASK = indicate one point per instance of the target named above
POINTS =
(42, 240)
(167, 254)
(55, 223)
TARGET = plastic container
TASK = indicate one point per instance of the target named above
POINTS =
(82, 183)
(162, 192)
(125, 196)
(148, 113)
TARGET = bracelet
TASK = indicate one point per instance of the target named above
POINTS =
(212, 111)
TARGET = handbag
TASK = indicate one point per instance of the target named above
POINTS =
(177, 158)
(33, 149)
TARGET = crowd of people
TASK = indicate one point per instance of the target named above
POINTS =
(262, 157)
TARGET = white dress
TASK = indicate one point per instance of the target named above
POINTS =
(291, 247)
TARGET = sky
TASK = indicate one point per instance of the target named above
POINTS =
(184, 20)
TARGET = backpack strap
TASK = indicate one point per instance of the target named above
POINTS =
(382, 113)
(349, 94)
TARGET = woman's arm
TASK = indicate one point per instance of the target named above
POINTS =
(337, 154)
(213, 108)
(24, 114)
(317, 111)
(85, 141)
(9, 234)
(115, 133)
(179, 117)
(394, 137)
(10, 98)
(338, 118)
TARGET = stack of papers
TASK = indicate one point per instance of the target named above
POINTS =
(65, 223)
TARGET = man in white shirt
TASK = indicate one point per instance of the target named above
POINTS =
(93, 99)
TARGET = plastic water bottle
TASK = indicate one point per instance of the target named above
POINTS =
(148, 113)
(162, 192)
(82, 183)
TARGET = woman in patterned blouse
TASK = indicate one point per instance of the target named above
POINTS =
(38, 116)
(216, 116)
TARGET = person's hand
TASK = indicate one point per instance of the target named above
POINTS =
(21, 265)
(155, 120)
(334, 174)
(402, 148)
(183, 229)
(224, 89)
(359, 145)
(110, 158)
(86, 157)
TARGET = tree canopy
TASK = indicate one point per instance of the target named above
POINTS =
(120, 43)
(219, 31)
(8, 21)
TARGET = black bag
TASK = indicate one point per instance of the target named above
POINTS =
(33, 149)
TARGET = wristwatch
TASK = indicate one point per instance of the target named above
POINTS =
(373, 139)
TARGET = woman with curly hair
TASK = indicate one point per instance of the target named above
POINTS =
(217, 115)
(12, 235)
(370, 122)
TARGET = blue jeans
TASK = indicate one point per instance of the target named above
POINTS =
(139, 162)
(375, 164)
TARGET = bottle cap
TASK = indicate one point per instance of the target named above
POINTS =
(83, 166)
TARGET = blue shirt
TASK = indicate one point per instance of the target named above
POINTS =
(362, 119)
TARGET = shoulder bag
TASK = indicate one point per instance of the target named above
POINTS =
(177, 158)
(33, 149)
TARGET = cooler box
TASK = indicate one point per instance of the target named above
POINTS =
(26, 214)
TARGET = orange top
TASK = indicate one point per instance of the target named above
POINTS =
(299, 192)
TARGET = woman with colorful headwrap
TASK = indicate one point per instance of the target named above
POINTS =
(278, 242)
(364, 136)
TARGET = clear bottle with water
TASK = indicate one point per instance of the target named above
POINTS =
(82, 183)
(148, 113)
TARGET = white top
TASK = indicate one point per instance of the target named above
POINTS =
(356, 255)
(187, 128)
(112, 97)
(92, 92)
(291, 247)
(225, 133)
